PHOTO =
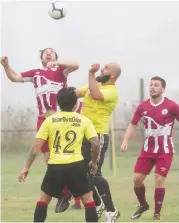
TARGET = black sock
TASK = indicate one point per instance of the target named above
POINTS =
(90, 212)
(96, 196)
(40, 213)
(104, 191)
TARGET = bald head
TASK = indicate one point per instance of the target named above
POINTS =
(109, 73)
(114, 69)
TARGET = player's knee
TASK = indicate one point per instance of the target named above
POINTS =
(44, 198)
(159, 181)
(138, 179)
(87, 198)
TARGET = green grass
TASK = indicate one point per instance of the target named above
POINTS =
(19, 200)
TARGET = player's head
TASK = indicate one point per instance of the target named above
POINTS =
(66, 98)
(157, 87)
(48, 55)
(109, 73)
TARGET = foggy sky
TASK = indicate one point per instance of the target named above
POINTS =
(142, 36)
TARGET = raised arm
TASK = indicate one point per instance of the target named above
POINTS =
(11, 74)
(81, 91)
(78, 93)
(95, 92)
(70, 66)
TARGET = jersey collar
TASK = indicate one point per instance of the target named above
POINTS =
(54, 68)
(155, 105)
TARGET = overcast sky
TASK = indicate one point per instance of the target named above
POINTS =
(142, 36)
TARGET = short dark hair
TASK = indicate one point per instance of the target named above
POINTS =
(67, 98)
(42, 51)
(163, 82)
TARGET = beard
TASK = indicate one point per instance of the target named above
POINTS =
(102, 78)
(155, 96)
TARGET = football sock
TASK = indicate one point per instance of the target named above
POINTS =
(77, 200)
(96, 197)
(90, 212)
(40, 213)
(159, 197)
(104, 191)
(140, 193)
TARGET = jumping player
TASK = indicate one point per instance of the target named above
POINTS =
(100, 99)
(47, 81)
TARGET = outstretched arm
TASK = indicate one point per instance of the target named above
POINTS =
(11, 74)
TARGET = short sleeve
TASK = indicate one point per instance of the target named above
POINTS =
(43, 132)
(83, 90)
(137, 116)
(28, 76)
(90, 130)
(109, 94)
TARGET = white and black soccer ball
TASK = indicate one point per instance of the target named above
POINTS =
(57, 10)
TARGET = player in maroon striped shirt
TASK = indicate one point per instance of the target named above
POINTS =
(47, 81)
(158, 115)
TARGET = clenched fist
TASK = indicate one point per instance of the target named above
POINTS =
(4, 61)
(94, 68)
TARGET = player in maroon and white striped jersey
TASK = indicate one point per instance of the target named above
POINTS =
(47, 81)
(158, 115)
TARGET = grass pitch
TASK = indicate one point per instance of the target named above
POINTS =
(19, 200)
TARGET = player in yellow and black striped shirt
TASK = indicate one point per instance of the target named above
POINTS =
(65, 131)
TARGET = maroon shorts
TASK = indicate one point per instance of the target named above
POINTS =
(45, 147)
(146, 161)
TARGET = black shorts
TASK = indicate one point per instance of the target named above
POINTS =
(74, 175)
(86, 149)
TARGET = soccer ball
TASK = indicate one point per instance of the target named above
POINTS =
(58, 10)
